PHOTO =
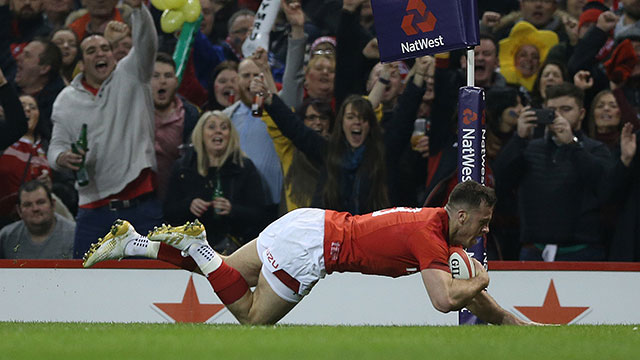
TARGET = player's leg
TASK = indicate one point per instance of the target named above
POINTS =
(123, 240)
(246, 261)
(231, 284)
(262, 306)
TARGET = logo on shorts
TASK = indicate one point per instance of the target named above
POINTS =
(271, 259)
(426, 19)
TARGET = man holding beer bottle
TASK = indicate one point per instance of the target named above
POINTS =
(118, 155)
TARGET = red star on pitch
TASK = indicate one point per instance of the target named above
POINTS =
(551, 312)
(190, 310)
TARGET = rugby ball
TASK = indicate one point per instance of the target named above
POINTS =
(460, 264)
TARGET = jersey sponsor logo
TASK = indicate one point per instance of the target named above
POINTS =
(395, 210)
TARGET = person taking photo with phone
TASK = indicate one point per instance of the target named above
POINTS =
(558, 181)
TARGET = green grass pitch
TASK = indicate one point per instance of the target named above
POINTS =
(70, 341)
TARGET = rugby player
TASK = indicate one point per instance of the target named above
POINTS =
(293, 253)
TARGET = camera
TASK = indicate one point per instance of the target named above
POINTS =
(544, 116)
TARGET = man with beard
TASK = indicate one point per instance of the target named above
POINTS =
(117, 106)
(23, 20)
(565, 168)
(175, 118)
(254, 137)
(40, 234)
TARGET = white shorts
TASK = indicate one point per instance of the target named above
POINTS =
(292, 253)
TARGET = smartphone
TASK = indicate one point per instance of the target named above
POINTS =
(544, 116)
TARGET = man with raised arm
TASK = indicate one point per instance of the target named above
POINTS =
(116, 104)
(293, 253)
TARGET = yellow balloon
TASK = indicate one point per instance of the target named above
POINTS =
(171, 20)
(191, 10)
(160, 4)
(175, 4)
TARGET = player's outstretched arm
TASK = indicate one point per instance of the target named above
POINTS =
(449, 294)
(487, 309)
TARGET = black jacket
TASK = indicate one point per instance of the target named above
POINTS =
(625, 186)
(14, 124)
(241, 186)
(560, 188)
(191, 116)
(45, 98)
(352, 68)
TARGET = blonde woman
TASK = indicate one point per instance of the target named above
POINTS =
(217, 184)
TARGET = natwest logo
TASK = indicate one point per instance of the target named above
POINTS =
(469, 116)
(426, 19)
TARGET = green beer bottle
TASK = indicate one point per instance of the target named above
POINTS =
(217, 192)
(82, 177)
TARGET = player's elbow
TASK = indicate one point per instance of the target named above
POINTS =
(444, 304)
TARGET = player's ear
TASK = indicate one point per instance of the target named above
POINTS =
(462, 216)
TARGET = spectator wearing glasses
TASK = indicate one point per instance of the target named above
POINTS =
(239, 28)
(300, 173)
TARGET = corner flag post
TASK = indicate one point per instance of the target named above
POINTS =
(471, 154)
(409, 29)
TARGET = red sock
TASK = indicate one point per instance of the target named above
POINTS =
(174, 256)
(228, 283)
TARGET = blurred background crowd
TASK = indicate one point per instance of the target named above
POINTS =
(97, 125)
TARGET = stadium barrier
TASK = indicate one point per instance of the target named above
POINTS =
(152, 291)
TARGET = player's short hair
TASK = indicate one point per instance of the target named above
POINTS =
(32, 186)
(566, 89)
(472, 194)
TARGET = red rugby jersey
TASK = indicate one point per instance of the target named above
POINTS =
(391, 242)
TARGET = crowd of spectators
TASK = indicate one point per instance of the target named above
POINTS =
(333, 128)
